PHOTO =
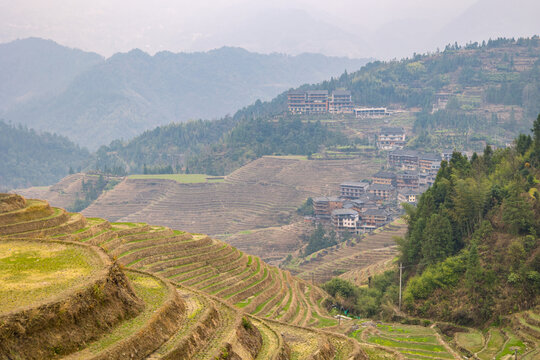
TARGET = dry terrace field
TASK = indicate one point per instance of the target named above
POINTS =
(264, 193)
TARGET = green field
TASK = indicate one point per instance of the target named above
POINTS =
(179, 178)
(32, 271)
(410, 340)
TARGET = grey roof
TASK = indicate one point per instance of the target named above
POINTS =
(381, 187)
(385, 175)
(317, 92)
(344, 212)
(431, 157)
(327, 199)
(404, 152)
(392, 130)
(407, 192)
(407, 174)
(361, 184)
(376, 212)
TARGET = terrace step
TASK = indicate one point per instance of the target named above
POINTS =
(138, 337)
(202, 320)
(30, 227)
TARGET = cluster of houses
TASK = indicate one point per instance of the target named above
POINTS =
(321, 102)
(363, 206)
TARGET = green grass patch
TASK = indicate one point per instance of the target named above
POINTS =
(494, 345)
(179, 178)
(32, 271)
(512, 342)
(287, 305)
(472, 341)
(406, 345)
(323, 321)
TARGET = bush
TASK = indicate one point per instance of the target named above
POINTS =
(441, 275)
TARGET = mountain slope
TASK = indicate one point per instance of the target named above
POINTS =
(36, 68)
(31, 158)
(132, 92)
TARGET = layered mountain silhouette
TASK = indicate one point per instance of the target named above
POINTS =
(93, 100)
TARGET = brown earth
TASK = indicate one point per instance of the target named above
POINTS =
(264, 193)
(63, 193)
(59, 326)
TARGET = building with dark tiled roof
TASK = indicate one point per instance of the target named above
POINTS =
(323, 206)
(384, 177)
(345, 219)
(408, 196)
(374, 217)
(391, 138)
(381, 190)
(403, 159)
(353, 189)
(340, 102)
(407, 179)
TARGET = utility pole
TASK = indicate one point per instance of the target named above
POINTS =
(400, 272)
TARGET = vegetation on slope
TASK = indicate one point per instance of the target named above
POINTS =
(494, 91)
(31, 158)
(471, 254)
(128, 93)
(471, 250)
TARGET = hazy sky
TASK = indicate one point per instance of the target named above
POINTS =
(380, 28)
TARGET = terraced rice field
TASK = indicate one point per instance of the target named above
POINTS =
(412, 342)
(349, 259)
(264, 193)
(35, 271)
(196, 293)
(194, 297)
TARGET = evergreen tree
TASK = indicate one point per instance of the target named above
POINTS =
(438, 243)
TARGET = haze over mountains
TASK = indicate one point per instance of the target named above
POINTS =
(94, 100)
(383, 29)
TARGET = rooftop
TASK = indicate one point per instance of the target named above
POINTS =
(408, 192)
(381, 187)
(344, 212)
(404, 152)
(385, 175)
(375, 212)
(361, 184)
(327, 199)
(392, 130)
(431, 157)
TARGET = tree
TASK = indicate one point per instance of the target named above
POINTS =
(438, 243)
(474, 270)
(517, 214)
(523, 143)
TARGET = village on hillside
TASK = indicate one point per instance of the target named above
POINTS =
(362, 205)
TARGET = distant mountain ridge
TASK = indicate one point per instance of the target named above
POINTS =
(98, 100)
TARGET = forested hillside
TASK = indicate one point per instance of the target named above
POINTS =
(471, 252)
(128, 93)
(217, 147)
(491, 93)
(30, 158)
